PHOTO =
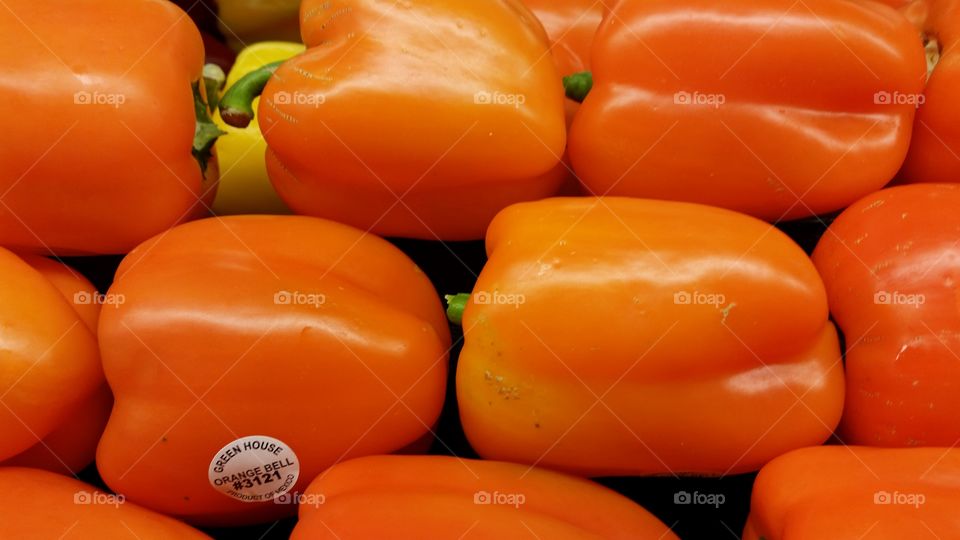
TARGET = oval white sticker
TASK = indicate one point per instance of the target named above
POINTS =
(254, 469)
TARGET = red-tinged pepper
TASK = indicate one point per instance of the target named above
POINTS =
(891, 265)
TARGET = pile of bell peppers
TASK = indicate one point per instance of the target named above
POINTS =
(227, 230)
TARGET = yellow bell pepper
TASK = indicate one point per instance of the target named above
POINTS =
(252, 21)
(244, 186)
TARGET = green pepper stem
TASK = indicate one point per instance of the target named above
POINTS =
(456, 303)
(578, 85)
(236, 105)
(206, 132)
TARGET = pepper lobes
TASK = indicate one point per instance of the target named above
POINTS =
(632, 337)
(71, 445)
(96, 154)
(851, 493)
(891, 266)
(50, 373)
(424, 134)
(768, 107)
(414, 497)
(313, 333)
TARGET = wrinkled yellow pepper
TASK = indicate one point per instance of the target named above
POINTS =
(244, 186)
(244, 22)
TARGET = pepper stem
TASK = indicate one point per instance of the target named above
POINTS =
(578, 85)
(206, 132)
(456, 303)
(236, 105)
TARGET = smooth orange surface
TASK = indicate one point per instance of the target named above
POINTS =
(602, 369)
(935, 150)
(80, 171)
(891, 264)
(856, 493)
(418, 497)
(39, 504)
(71, 446)
(455, 107)
(201, 353)
(49, 363)
(768, 107)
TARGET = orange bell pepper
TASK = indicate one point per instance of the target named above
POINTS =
(97, 152)
(626, 337)
(935, 150)
(415, 497)
(50, 368)
(323, 338)
(417, 111)
(72, 445)
(854, 493)
(769, 107)
(891, 271)
(38, 504)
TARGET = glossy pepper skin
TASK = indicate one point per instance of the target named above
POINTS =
(632, 337)
(50, 365)
(70, 446)
(935, 150)
(767, 107)
(457, 123)
(311, 332)
(95, 154)
(414, 497)
(852, 493)
(39, 504)
(244, 186)
(891, 267)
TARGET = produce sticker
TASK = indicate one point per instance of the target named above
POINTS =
(254, 469)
